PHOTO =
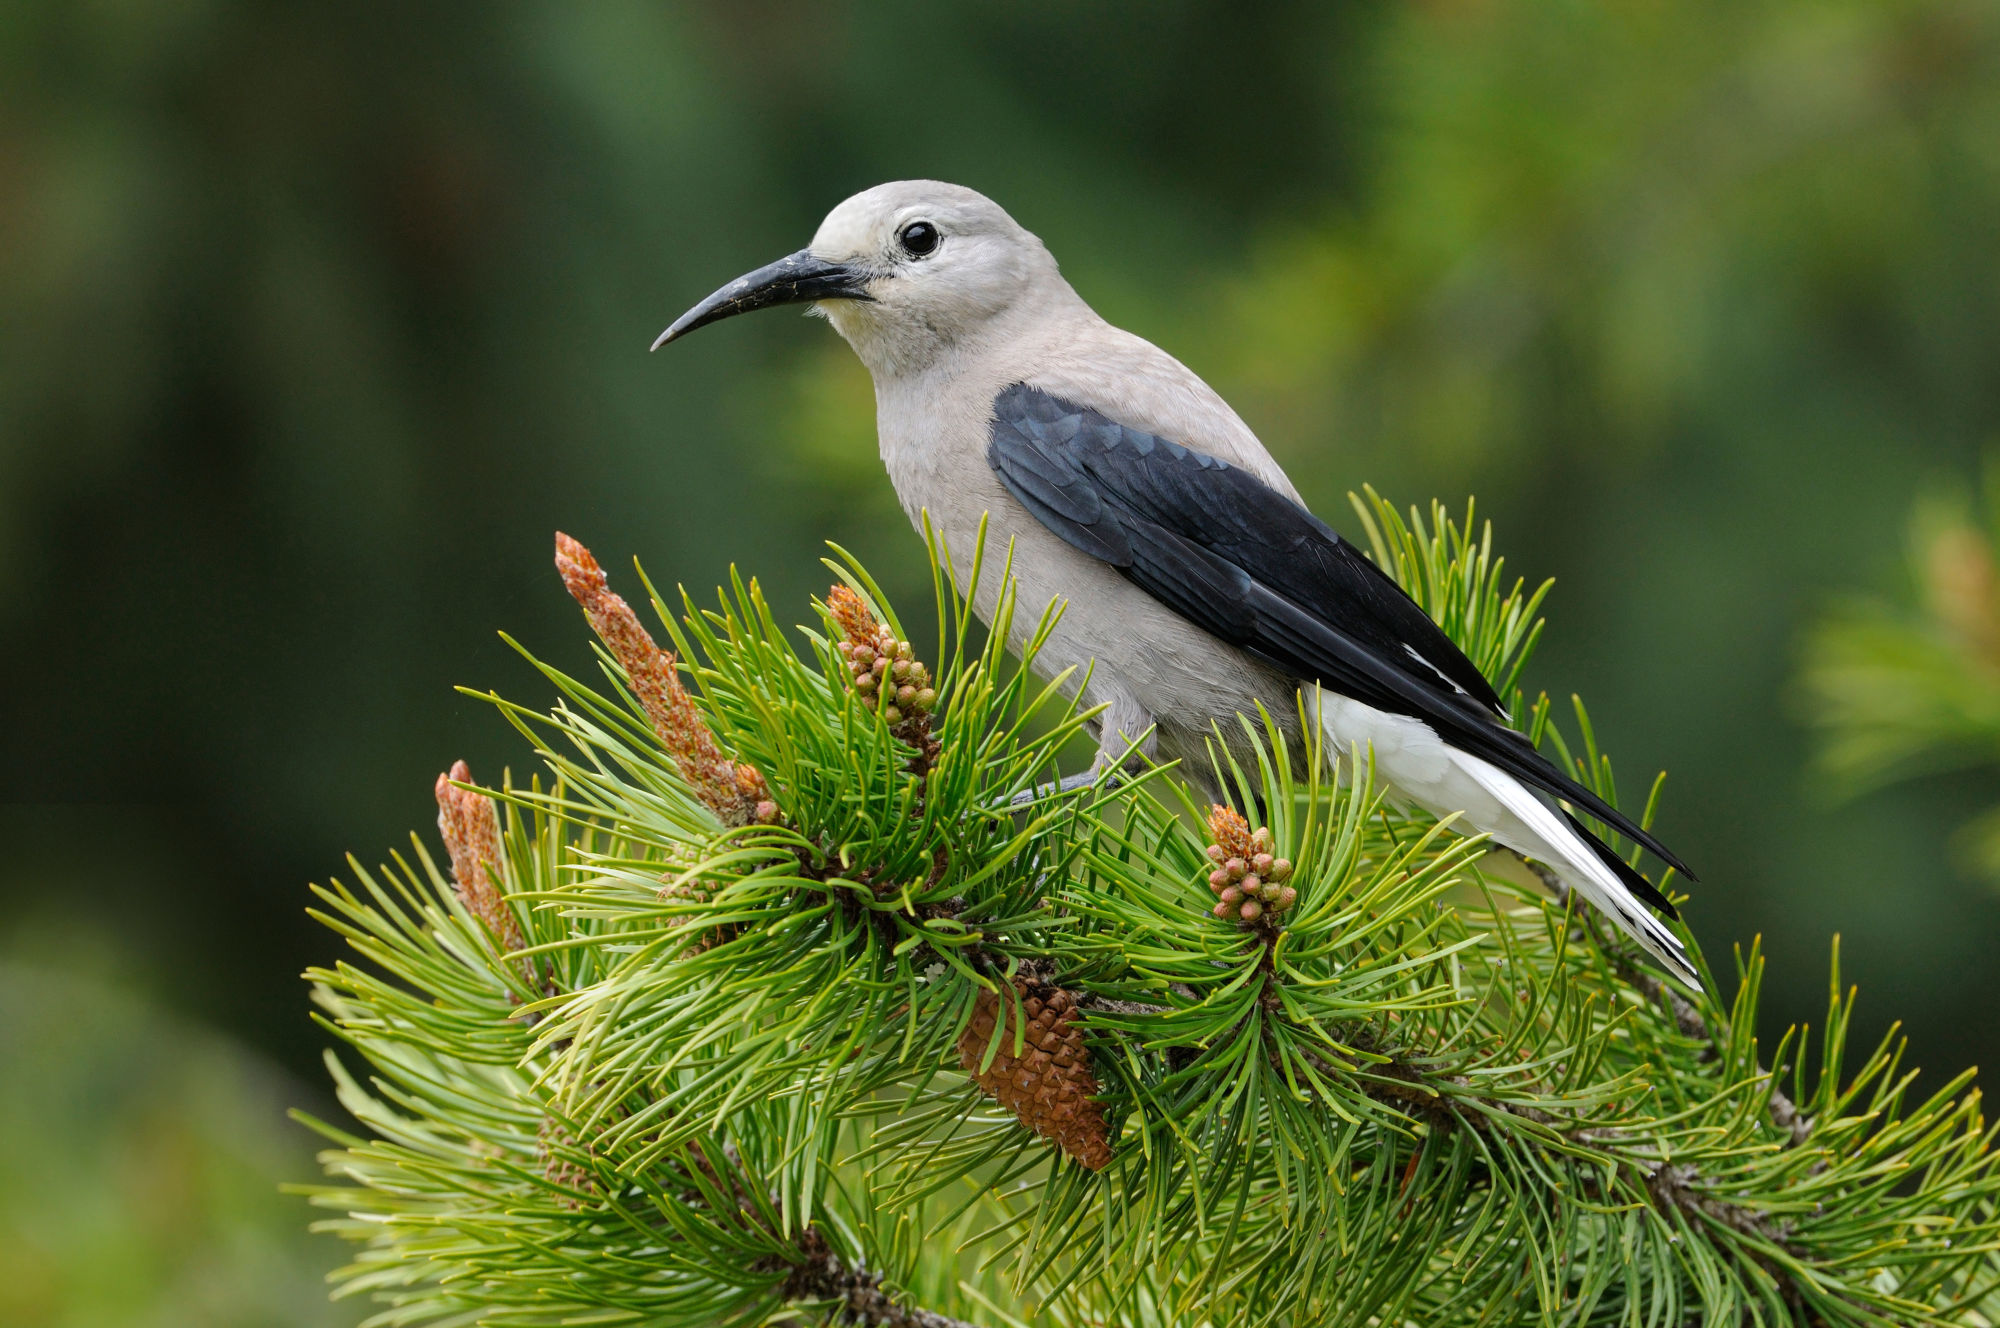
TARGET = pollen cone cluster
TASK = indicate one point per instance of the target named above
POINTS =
(470, 825)
(1248, 883)
(695, 891)
(554, 1148)
(885, 672)
(735, 792)
(1049, 1086)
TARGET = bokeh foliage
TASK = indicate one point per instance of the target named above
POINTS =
(138, 1159)
(1904, 687)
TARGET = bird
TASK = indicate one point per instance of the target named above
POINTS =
(1196, 585)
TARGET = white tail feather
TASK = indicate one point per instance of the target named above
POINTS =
(1419, 765)
(1556, 844)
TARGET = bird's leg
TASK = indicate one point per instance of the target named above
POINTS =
(1125, 744)
(1055, 789)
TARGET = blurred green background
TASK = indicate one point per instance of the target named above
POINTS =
(315, 321)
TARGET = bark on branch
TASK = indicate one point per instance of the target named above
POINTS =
(822, 1276)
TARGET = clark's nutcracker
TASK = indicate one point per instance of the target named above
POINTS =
(1198, 585)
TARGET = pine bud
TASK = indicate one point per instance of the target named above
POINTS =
(470, 825)
(655, 680)
(892, 716)
(926, 699)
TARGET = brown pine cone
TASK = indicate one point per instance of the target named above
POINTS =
(1049, 1086)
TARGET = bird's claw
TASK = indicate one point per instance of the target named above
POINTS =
(1028, 797)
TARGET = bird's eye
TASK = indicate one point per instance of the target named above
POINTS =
(918, 238)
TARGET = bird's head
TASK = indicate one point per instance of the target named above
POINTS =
(904, 271)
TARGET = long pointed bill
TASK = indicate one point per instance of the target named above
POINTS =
(796, 278)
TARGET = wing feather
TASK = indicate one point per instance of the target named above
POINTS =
(1240, 560)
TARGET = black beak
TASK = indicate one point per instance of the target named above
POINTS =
(794, 279)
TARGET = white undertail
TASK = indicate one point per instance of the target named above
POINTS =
(1418, 765)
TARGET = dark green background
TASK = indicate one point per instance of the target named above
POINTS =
(315, 321)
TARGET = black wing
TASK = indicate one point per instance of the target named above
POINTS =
(1240, 560)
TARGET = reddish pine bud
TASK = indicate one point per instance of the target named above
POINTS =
(851, 615)
(656, 683)
(470, 826)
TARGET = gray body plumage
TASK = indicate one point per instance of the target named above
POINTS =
(983, 308)
(1148, 665)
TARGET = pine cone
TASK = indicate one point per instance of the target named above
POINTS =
(1049, 1086)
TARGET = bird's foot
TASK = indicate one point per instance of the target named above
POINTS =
(1028, 797)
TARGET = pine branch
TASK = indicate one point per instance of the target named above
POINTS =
(1785, 1114)
(679, 1043)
